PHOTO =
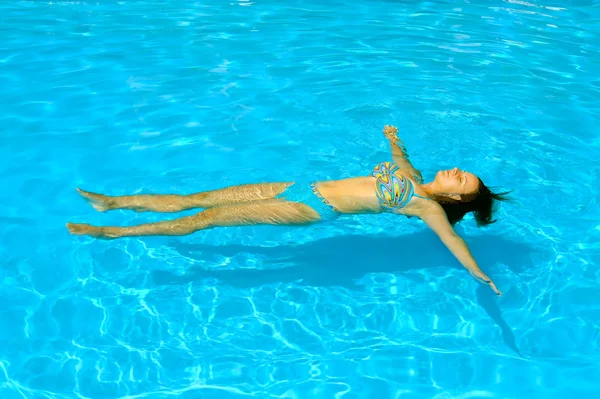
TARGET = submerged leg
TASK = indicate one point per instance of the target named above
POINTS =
(274, 212)
(177, 203)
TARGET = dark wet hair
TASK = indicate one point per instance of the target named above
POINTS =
(483, 204)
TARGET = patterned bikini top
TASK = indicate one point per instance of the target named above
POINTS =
(393, 190)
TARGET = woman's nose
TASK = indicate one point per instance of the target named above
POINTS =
(455, 170)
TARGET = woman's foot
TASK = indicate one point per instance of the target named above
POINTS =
(100, 202)
(81, 229)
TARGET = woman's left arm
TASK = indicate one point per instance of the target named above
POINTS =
(438, 222)
(399, 154)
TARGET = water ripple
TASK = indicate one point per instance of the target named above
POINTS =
(151, 97)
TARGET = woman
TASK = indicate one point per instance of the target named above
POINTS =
(392, 187)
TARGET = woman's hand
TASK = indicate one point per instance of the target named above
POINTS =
(487, 281)
(436, 219)
(391, 133)
(399, 154)
(496, 290)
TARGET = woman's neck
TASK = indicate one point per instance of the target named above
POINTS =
(434, 194)
(428, 190)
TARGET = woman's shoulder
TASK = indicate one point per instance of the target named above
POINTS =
(421, 208)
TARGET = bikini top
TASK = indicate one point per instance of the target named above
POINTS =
(393, 190)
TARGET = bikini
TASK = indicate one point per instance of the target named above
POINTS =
(393, 191)
(308, 194)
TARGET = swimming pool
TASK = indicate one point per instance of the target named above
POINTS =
(154, 96)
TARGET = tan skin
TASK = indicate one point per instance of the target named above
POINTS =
(253, 204)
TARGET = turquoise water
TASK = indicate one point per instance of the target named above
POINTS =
(179, 97)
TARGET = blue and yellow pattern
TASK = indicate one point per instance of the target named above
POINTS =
(393, 190)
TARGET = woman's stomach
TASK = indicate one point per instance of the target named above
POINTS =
(354, 195)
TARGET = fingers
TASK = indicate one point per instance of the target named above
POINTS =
(390, 131)
(496, 290)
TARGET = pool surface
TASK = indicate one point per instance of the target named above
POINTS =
(179, 97)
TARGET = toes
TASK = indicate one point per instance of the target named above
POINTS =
(100, 202)
(75, 228)
(80, 229)
(84, 193)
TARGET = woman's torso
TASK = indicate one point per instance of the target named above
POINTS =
(387, 189)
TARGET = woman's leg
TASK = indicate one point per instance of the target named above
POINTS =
(177, 203)
(274, 212)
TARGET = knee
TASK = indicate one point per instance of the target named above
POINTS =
(204, 219)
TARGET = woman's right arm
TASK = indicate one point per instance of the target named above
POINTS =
(438, 222)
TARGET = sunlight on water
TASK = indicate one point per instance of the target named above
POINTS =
(160, 97)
